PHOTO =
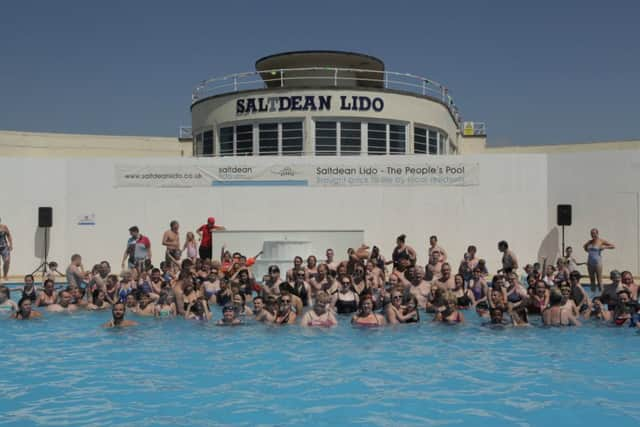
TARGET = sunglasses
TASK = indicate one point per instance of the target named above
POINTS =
(286, 301)
(396, 297)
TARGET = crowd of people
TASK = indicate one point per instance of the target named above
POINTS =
(364, 288)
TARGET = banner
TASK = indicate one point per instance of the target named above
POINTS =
(343, 174)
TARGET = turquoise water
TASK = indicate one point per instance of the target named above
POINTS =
(67, 370)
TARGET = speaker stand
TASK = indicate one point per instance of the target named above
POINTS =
(44, 267)
(562, 256)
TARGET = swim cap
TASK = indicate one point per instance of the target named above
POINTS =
(211, 220)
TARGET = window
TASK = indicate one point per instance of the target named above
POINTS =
(326, 138)
(350, 138)
(377, 138)
(226, 141)
(383, 138)
(420, 140)
(397, 139)
(268, 139)
(433, 142)
(292, 139)
(197, 146)
(207, 143)
(430, 141)
(442, 149)
(244, 140)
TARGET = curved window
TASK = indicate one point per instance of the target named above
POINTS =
(429, 141)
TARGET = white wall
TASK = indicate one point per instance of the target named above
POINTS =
(510, 203)
(604, 189)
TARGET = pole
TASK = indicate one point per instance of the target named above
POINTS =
(562, 256)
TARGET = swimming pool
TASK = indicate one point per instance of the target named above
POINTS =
(67, 370)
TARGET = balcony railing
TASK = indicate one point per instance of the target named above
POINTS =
(327, 77)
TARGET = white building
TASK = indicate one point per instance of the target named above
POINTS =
(318, 149)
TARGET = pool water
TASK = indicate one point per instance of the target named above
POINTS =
(67, 370)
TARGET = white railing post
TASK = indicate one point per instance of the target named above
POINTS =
(235, 83)
(335, 77)
(281, 78)
(424, 87)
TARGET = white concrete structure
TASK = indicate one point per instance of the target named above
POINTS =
(325, 103)
(39, 144)
(78, 189)
(326, 149)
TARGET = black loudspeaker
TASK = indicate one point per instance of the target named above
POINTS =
(564, 214)
(45, 217)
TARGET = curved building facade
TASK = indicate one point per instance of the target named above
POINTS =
(324, 103)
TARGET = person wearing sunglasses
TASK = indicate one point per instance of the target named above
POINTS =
(346, 300)
(285, 314)
(395, 310)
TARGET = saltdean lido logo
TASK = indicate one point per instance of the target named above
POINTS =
(235, 172)
(285, 171)
(307, 103)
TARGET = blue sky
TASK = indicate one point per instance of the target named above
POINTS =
(535, 72)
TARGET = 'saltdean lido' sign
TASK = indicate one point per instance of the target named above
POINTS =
(382, 172)
(308, 103)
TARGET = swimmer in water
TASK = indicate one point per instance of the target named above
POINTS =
(164, 307)
(260, 313)
(99, 301)
(198, 310)
(24, 310)
(319, 316)
(118, 321)
(64, 304)
(450, 314)
(366, 316)
(228, 317)
(555, 315)
(285, 315)
(48, 295)
(7, 306)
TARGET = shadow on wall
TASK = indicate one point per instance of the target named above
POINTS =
(550, 247)
(38, 243)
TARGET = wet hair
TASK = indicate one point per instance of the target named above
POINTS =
(22, 301)
(472, 248)
(555, 298)
(503, 244)
(29, 276)
(134, 229)
(172, 223)
(402, 238)
(624, 291)
(95, 294)
(434, 237)
(4, 290)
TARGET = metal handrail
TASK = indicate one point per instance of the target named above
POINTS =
(405, 82)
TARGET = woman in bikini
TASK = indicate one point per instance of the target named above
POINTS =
(450, 314)
(99, 301)
(48, 295)
(164, 307)
(285, 315)
(366, 316)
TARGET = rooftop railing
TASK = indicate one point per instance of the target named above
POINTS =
(327, 77)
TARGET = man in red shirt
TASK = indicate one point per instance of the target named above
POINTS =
(206, 239)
